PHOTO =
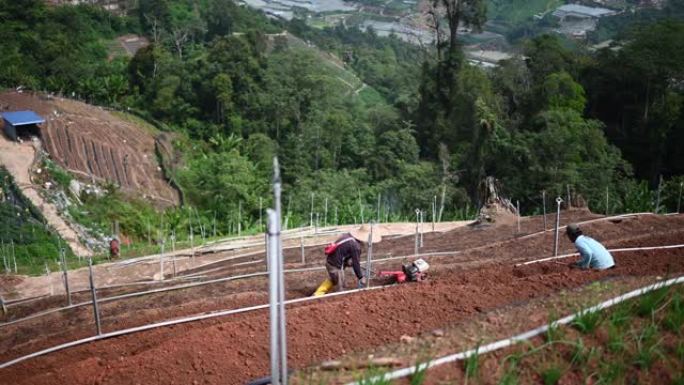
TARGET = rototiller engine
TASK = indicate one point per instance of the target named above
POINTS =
(411, 272)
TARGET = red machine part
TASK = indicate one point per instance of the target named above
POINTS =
(399, 276)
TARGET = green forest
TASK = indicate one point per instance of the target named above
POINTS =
(383, 132)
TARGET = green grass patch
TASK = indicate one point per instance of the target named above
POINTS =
(418, 375)
(551, 375)
(373, 376)
(138, 121)
(587, 322)
(636, 337)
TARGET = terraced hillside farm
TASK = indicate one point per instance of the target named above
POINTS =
(476, 291)
(96, 144)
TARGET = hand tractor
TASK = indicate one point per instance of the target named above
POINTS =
(410, 272)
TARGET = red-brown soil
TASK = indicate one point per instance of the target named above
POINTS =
(234, 349)
(92, 142)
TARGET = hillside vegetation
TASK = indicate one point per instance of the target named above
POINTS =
(390, 128)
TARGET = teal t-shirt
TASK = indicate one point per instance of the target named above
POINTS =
(594, 255)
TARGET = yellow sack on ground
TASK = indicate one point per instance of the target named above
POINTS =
(324, 288)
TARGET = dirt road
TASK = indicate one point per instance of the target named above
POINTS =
(18, 159)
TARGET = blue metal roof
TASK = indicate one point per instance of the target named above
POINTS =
(20, 118)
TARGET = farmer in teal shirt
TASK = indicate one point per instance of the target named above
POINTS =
(594, 255)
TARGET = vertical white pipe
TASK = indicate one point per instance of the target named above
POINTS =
(434, 212)
(65, 275)
(422, 220)
(370, 255)
(49, 279)
(311, 211)
(378, 209)
(4, 257)
(517, 204)
(660, 185)
(555, 242)
(14, 258)
(93, 294)
(261, 209)
(281, 279)
(544, 207)
(161, 262)
(301, 245)
(415, 248)
(239, 224)
(273, 295)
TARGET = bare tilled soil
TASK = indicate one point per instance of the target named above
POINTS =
(455, 240)
(94, 143)
(233, 349)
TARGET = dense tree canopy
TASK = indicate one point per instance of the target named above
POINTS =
(364, 123)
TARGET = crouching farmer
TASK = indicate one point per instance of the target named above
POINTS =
(593, 254)
(346, 251)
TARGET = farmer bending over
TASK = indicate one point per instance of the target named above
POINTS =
(346, 251)
(593, 254)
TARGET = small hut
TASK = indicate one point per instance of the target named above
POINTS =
(21, 124)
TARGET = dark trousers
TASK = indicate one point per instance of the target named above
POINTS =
(336, 275)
